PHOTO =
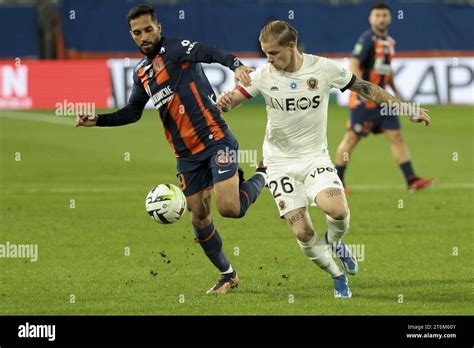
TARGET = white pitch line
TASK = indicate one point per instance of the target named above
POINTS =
(46, 118)
(437, 187)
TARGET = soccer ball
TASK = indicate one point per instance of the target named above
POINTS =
(165, 203)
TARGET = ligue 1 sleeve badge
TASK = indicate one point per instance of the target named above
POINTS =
(312, 84)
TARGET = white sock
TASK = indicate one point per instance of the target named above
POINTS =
(230, 270)
(337, 228)
(319, 253)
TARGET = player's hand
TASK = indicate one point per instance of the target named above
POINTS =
(86, 120)
(224, 102)
(420, 115)
(242, 75)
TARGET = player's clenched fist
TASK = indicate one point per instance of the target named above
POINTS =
(224, 101)
(86, 120)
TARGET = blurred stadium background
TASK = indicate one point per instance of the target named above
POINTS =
(90, 40)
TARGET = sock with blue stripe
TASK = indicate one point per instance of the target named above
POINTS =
(249, 191)
(211, 243)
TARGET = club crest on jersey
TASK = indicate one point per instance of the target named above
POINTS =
(312, 84)
(158, 65)
(293, 85)
(281, 205)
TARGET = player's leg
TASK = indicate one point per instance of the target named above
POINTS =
(312, 246)
(316, 249)
(333, 202)
(234, 196)
(401, 155)
(199, 206)
(359, 126)
(196, 181)
(344, 151)
(324, 188)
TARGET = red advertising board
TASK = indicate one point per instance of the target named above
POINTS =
(30, 84)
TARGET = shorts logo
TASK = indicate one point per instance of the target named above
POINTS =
(182, 181)
(322, 170)
(223, 159)
(312, 84)
(281, 205)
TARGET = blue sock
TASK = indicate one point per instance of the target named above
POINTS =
(408, 172)
(211, 242)
(249, 191)
(340, 172)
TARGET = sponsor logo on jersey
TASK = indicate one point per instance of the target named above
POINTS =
(163, 96)
(312, 84)
(292, 104)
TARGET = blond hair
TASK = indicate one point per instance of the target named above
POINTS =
(281, 31)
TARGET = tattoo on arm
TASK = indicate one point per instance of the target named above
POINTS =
(373, 92)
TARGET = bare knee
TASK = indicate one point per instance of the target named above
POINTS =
(395, 137)
(304, 233)
(338, 213)
(200, 213)
(229, 210)
(200, 219)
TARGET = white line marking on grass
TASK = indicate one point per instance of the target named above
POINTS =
(437, 187)
(31, 116)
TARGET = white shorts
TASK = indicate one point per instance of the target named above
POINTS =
(296, 184)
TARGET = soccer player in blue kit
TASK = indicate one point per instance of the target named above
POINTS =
(171, 76)
(370, 61)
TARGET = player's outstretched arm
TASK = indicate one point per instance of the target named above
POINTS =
(377, 94)
(229, 100)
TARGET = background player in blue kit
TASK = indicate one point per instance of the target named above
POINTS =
(370, 61)
(171, 76)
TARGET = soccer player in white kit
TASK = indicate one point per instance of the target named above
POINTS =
(296, 87)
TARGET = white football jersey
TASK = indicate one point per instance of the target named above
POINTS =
(297, 106)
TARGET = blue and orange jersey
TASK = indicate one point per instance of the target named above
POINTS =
(173, 78)
(375, 54)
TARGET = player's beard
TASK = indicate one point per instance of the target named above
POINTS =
(382, 28)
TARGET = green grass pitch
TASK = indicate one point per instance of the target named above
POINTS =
(73, 192)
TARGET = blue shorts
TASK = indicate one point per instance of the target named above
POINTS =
(216, 163)
(364, 121)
